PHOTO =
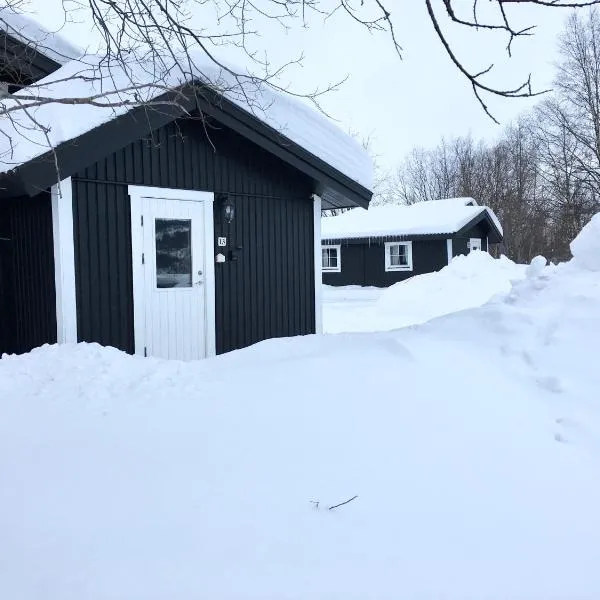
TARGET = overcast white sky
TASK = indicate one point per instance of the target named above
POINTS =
(399, 103)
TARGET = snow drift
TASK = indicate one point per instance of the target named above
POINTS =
(586, 246)
(472, 443)
(467, 282)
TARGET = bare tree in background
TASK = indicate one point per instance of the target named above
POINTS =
(503, 176)
(575, 109)
(542, 175)
(515, 195)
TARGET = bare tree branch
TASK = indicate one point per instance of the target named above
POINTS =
(159, 38)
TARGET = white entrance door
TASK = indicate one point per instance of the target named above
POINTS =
(474, 244)
(171, 281)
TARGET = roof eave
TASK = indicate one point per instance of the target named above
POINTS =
(494, 237)
(329, 180)
(74, 155)
(27, 57)
(387, 236)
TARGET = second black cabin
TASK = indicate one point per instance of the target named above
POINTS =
(388, 244)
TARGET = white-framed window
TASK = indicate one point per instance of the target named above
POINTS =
(331, 258)
(398, 256)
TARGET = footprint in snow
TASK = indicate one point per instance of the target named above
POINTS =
(567, 426)
(551, 383)
(395, 347)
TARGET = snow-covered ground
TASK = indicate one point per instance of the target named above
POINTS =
(472, 443)
(468, 281)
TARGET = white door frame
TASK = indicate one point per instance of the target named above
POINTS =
(136, 193)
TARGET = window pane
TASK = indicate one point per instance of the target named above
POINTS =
(173, 253)
(329, 258)
(333, 258)
(399, 255)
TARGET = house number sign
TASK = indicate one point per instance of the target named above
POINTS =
(221, 242)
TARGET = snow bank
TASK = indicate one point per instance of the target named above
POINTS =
(586, 246)
(91, 75)
(467, 282)
(443, 217)
(472, 444)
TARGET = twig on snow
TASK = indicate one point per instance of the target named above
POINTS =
(342, 503)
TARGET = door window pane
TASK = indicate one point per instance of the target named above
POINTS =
(173, 253)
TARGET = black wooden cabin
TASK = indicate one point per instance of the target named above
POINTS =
(358, 253)
(170, 234)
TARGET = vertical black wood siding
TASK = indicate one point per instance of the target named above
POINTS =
(364, 263)
(7, 300)
(27, 292)
(268, 291)
(104, 287)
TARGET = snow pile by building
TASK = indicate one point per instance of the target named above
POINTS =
(470, 443)
(467, 282)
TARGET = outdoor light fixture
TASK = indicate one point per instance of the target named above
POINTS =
(228, 209)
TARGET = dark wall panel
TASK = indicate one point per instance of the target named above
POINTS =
(364, 263)
(27, 293)
(7, 294)
(102, 227)
(353, 271)
(267, 291)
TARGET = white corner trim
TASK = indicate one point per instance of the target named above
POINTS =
(388, 262)
(318, 264)
(64, 262)
(449, 249)
(136, 193)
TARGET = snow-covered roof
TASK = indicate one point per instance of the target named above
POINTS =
(30, 32)
(423, 218)
(22, 141)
